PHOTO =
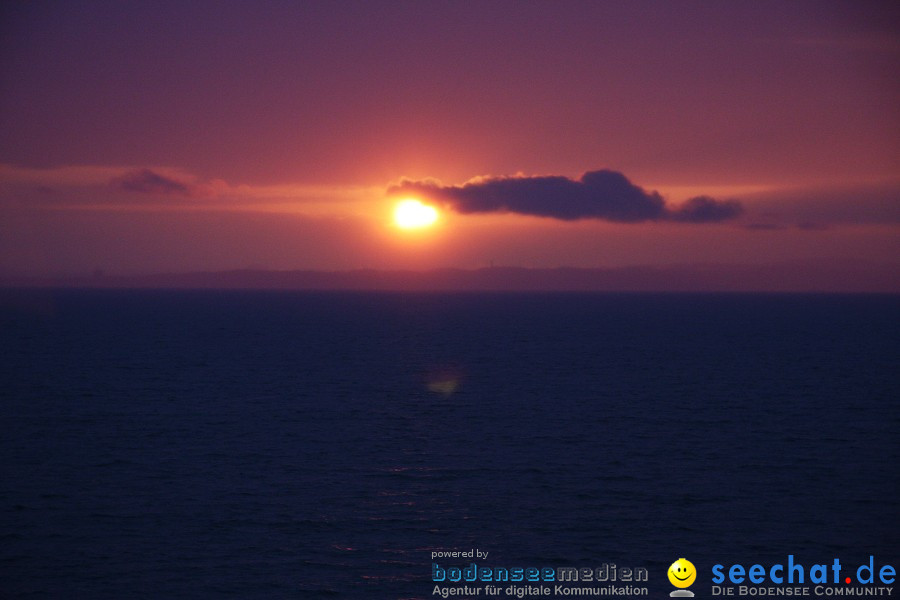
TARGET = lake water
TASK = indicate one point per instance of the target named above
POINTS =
(178, 444)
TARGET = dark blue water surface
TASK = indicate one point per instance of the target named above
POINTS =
(175, 444)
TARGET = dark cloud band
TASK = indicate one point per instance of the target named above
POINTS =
(604, 194)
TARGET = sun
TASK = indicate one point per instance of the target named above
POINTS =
(413, 214)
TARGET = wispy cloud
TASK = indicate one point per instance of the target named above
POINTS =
(139, 188)
(147, 181)
(817, 208)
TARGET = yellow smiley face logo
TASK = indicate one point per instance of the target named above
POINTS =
(682, 573)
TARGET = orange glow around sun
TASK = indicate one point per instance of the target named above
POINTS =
(413, 214)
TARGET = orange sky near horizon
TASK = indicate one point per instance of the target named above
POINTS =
(133, 143)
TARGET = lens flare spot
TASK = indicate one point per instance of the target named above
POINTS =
(444, 381)
(445, 387)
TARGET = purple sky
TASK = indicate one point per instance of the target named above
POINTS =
(176, 136)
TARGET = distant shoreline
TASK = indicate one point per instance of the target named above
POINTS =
(712, 278)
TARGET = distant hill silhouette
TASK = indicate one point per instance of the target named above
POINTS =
(813, 277)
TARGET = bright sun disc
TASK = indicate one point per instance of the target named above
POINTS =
(412, 214)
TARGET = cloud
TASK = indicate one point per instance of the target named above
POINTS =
(604, 194)
(703, 209)
(818, 208)
(147, 181)
(156, 187)
(765, 227)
